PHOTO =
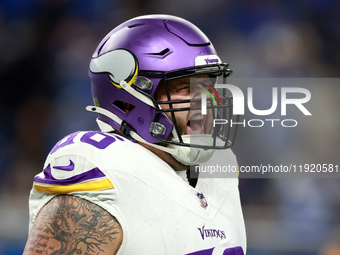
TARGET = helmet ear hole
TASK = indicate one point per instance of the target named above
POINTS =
(123, 106)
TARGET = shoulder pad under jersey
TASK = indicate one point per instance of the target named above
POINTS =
(73, 164)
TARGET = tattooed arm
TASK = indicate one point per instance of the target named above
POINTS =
(71, 225)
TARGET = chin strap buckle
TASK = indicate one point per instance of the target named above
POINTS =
(125, 129)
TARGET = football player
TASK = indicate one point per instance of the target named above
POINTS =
(128, 189)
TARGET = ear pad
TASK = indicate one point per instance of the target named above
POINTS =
(120, 64)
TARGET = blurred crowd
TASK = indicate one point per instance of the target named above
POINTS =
(45, 48)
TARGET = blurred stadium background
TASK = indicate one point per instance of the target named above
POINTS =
(45, 47)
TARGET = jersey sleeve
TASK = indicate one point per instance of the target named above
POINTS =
(76, 166)
(70, 167)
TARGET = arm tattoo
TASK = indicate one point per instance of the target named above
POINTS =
(71, 225)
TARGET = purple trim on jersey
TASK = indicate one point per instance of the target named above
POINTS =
(202, 252)
(91, 174)
(229, 251)
(234, 251)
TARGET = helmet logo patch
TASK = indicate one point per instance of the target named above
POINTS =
(207, 59)
(120, 64)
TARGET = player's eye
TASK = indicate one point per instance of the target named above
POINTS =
(182, 90)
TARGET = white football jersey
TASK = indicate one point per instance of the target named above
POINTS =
(159, 212)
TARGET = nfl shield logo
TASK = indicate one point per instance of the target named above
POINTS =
(202, 199)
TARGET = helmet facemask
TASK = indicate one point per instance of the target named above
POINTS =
(197, 129)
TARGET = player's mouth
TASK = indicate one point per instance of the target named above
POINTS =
(195, 124)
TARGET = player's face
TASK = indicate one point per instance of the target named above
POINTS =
(188, 122)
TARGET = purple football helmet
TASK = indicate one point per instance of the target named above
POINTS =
(137, 57)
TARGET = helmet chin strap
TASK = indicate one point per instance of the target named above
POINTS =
(192, 155)
(185, 155)
(134, 135)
